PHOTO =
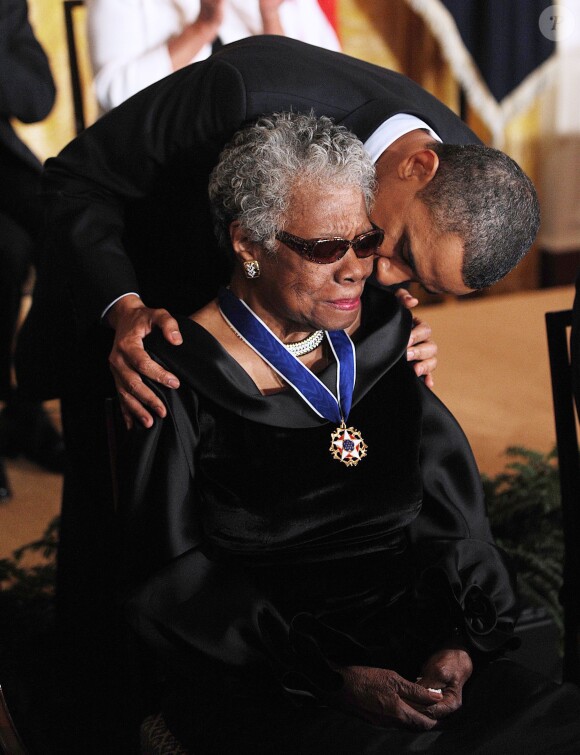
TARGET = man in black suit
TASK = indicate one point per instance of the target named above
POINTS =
(27, 92)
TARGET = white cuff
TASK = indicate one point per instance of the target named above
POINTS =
(129, 293)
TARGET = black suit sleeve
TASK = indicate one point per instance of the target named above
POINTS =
(27, 89)
(119, 160)
(154, 153)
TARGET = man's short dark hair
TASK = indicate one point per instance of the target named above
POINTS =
(483, 196)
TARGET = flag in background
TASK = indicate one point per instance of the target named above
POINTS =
(497, 52)
(503, 38)
(329, 8)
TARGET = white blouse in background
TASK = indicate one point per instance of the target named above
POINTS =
(128, 38)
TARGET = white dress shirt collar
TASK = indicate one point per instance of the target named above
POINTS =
(391, 129)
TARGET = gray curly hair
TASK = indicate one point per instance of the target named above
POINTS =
(264, 163)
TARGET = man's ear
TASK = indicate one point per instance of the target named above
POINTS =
(419, 166)
(244, 248)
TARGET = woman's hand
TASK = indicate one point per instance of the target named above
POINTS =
(384, 698)
(211, 12)
(421, 349)
(203, 31)
(128, 360)
(447, 670)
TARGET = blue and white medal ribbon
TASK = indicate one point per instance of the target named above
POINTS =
(346, 443)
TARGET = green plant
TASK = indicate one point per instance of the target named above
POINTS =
(523, 504)
(25, 582)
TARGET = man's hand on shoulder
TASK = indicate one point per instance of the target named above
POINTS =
(128, 360)
(421, 349)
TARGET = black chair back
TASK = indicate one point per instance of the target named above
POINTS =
(557, 326)
(10, 742)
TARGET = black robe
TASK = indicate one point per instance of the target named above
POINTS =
(262, 562)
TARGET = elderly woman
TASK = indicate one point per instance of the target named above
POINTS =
(306, 525)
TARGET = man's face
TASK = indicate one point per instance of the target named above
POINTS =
(413, 249)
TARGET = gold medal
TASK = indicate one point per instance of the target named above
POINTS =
(347, 445)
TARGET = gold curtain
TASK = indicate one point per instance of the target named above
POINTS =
(47, 18)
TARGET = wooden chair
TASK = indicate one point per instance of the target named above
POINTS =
(10, 742)
(557, 326)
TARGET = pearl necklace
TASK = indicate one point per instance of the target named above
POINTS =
(299, 348)
(306, 345)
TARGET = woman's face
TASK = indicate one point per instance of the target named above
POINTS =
(294, 295)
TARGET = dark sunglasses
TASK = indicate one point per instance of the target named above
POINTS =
(325, 251)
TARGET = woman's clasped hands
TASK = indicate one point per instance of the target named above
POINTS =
(384, 698)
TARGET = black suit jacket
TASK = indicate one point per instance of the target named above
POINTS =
(127, 199)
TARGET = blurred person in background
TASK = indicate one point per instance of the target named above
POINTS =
(27, 92)
(135, 43)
